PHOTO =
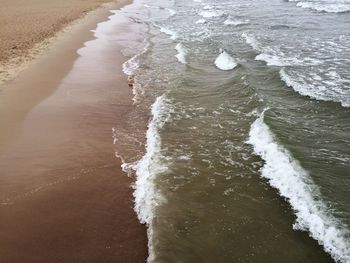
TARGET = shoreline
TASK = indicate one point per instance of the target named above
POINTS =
(58, 57)
(63, 194)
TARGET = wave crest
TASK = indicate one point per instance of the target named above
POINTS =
(294, 183)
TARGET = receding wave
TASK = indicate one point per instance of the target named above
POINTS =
(147, 196)
(294, 183)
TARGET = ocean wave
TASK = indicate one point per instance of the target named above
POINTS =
(329, 6)
(181, 53)
(147, 195)
(294, 183)
(316, 87)
(275, 57)
(225, 62)
(312, 76)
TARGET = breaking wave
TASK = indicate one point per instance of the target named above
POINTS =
(294, 183)
(147, 195)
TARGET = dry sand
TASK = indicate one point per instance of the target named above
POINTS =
(63, 196)
(27, 26)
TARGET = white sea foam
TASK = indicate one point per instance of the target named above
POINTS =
(172, 12)
(131, 65)
(181, 53)
(171, 33)
(235, 22)
(275, 60)
(275, 57)
(207, 7)
(271, 60)
(329, 6)
(147, 195)
(210, 13)
(225, 62)
(201, 21)
(316, 89)
(252, 41)
(129, 68)
(294, 183)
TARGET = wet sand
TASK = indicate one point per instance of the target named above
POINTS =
(63, 196)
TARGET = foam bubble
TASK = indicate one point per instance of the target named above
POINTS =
(294, 183)
(225, 62)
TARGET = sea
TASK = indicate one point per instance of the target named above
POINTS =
(246, 153)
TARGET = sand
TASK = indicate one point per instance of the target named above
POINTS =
(27, 28)
(63, 196)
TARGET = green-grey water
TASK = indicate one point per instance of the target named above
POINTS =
(247, 154)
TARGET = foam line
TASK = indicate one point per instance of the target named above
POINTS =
(294, 183)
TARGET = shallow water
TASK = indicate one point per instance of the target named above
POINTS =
(247, 155)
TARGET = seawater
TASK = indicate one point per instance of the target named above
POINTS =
(247, 155)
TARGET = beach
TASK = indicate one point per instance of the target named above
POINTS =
(175, 131)
(63, 195)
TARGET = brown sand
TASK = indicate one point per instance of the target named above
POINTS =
(63, 196)
(24, 23)
(27, 26)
